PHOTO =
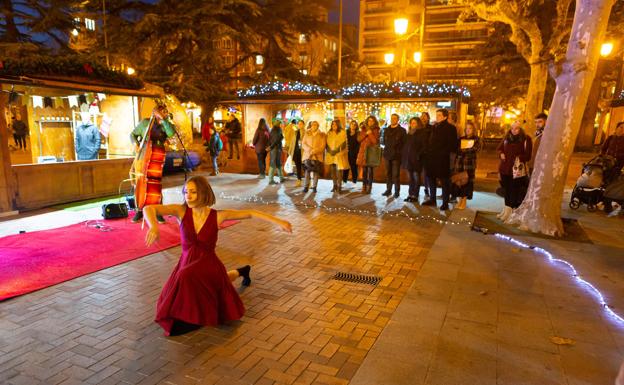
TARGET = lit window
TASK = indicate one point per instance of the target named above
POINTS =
(324, 60)
(90, 24)
(326, 43)
(302, 38)
(305, 72)
(303, 58)
(333, 45)
(259, 60)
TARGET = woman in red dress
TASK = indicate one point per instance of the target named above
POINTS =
(199, 291)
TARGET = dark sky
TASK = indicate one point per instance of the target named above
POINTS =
(350, 12)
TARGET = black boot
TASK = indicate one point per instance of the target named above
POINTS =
(244, 272)
(138, 216)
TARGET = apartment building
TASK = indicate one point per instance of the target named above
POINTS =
(445, 46)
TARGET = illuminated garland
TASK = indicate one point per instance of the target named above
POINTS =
(346, 210)
(573, 272)
(278, 88)
(403, 89)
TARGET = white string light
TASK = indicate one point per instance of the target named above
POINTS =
(284, 88)
(574, 273)
(398, 89)
(376, 213)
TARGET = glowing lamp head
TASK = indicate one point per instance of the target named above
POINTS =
(417, 57)
(400, 26)
(606, 49)
(389, 58)
(130, 71)
(74, 32)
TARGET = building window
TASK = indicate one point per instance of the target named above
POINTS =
(333, 46)
(227, 43)
(302, 38)
(90, 24)
(259, 60)
(305, 72)
(303, 58)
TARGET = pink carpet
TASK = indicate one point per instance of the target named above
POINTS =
(35, 260)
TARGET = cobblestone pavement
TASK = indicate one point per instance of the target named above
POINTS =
(301, 327)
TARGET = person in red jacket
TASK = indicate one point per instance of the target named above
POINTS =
(205, 131)
(515, 144)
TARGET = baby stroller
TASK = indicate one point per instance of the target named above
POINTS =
(590, 186)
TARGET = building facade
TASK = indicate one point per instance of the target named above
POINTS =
(445, 46)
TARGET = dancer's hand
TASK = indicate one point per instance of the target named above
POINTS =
(286, 226)
(152, 235)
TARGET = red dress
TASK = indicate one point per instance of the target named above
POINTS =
(198, 291)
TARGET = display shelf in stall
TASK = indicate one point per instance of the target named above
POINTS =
(43, 122)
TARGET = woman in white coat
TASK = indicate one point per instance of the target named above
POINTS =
(336, 155)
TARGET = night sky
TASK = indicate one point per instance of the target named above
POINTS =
(350, 12)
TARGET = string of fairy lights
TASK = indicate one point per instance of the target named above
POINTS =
(278, 87)
(395, 89)
(383, 213)
(398, 89)
(463, 221)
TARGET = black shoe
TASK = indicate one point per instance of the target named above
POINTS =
(397, 194)
(160, 219)
(408, 199)
(244, 272)
(387, 193)
(138, 216)
(305, 189)
(444, 207)
(429, 202)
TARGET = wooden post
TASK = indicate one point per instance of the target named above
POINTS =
(7, 179)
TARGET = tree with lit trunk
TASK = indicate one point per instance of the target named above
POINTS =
(537, 29)
(541, 208)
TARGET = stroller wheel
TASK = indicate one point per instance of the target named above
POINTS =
(575, 204)
(591, 207)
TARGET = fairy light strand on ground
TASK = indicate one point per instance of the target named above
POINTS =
(346, 210)
(574, 273)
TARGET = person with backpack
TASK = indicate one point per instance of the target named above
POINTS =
(215, 145)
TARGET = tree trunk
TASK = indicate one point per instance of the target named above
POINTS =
(541, 209)
(585, 139)
(535, 94)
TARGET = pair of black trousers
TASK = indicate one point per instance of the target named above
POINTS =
(367, 176)
(515, 190)
(261, 162)
(298, 163)
(414, 184)
(354, 171)
(446, 188)
(393, 175)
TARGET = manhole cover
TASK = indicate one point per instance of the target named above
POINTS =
(357, 278)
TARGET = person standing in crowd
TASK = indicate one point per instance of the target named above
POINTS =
(292, 139)
(353, 146)
(336, 155)
(199, 291)
(260, 143)
(275, 150)
(415, 142)
(452, 118)
(20, 131)
(314, 142)
(426, 119)
(469, 146)
(368, 137)
(205, 131)
(234, 133)
(515, 145)
(441, 147)
(614, 146)
(540, 124)
(394, 137)
(215, 145)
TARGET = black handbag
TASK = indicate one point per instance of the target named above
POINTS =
(115, 210)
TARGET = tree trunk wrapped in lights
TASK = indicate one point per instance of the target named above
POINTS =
(541, 209)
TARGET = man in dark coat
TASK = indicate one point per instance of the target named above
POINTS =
(234, 133)
(393, 138)
(442, 144)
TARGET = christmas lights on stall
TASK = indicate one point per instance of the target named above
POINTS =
(277, 87)
(407, 89)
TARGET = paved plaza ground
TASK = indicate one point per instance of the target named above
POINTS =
(453, 306)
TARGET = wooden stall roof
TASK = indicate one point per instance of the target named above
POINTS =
(68, 84)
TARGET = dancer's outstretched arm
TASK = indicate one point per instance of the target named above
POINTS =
(225, 215)
(150, 212)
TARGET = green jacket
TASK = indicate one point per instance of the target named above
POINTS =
(161, 131)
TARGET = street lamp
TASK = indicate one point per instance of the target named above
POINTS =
(389, 58)
(606, 49)
(417, 60)
(400, 28)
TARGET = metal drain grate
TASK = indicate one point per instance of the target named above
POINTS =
(357, 278)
